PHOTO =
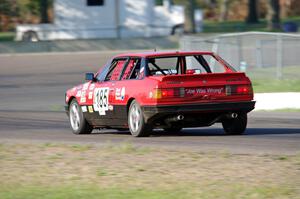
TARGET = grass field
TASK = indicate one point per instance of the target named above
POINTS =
(264, 79)
(125, 171)
(274, 85)
(7, 36)
(241, 26)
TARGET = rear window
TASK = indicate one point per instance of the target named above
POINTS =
(197, 64)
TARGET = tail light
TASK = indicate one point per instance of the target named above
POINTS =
(160, 93)
(239, 89)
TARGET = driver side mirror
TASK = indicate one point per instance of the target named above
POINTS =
(89, 77)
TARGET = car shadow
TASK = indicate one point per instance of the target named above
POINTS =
(272, 131)
(219, 132)
(210, 132)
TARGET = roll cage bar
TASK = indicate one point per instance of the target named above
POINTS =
(180, 64)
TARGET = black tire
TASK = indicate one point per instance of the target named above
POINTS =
(235, 126)
(136, 121)
(173, 129)
(30, 36)
(78, 123)
(178, 30)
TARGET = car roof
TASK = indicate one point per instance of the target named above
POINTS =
(163, 54)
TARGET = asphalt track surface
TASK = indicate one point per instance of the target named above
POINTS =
(32, 88)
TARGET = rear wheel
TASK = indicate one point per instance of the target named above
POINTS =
(78, 123)
(30, 36)
(177, 30)
(136, 121)
(235, 126)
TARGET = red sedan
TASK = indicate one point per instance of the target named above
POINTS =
(168, 90)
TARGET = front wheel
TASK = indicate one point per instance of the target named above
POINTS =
(235, 126)
(136, 121)
(78, 123)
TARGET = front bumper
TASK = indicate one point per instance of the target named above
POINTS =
(155, 113)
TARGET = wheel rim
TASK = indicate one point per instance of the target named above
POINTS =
(135, 118)
(74, 117)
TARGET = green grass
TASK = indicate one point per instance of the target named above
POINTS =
(92, 191)
(83, 191)
(275, 85)
(7, 36)
(232, 26)
(58, 171)
(241, 26)
(264, 79)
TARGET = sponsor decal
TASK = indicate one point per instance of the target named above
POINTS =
(91, 110)
(100, 102)
(150, 94)
(78, 94)
(90, 94)
(92, 86)
(197, 91)
(120, 93)
(83, 98)
(84, 109)
(110, 107)
(85, 86)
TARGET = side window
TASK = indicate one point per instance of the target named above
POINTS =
(95, 2)
(115, 70)
(133, 69)
(193, 66)
(215, 65)
(163, 65)
(102, 74)
(203, 64)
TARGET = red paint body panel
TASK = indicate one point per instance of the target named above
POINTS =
(181, 89)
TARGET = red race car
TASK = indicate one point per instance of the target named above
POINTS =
(168, 90)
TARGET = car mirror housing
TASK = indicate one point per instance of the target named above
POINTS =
(89, 77)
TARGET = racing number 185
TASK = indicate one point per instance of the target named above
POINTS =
(101, 99)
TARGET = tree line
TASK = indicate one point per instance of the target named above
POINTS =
(23, 11)
(273, 9)
(39, 11)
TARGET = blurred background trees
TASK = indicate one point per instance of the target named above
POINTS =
(274, 15)
(189, 26)
(251, 11)
(24, 11)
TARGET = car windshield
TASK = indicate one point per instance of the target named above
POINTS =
(194, 64)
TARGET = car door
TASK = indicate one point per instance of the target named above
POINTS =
(102, 93)
(125, 88)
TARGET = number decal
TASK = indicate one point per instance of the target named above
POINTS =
(100, 101)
